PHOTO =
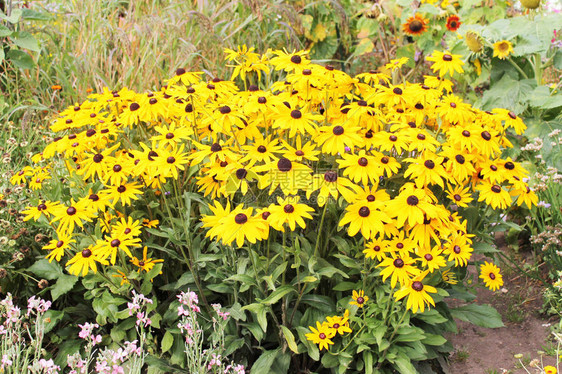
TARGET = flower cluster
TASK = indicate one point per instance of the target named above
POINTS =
(399, 160)
(328, 329)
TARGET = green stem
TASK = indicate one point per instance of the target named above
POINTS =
(517, 68)
(320, 229)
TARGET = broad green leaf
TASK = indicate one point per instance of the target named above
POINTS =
(20, 59)
(345, 286)
(14, 17)
(24, 39)
(4, 31)
(277, 295)
(52, 317)
(261, 314)
(508, 93)
(433, 339)
(368, 359)
(64, 284)
(264, 362)
(480, 315)
(45, 269)
(30, 14)
(290, 338)
(481, 247)
(329, 360)
(167, 342)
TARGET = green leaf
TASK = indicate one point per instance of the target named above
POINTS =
(34, 15)
(24, 39)
(481, 247)
(167, 342)
(290, 338)
(264, 362)
(4, 31)
(434, 339)
(20, 59)
(45, 269)
(508, 93)
(261, 314)
(480, 315)
(14, 17)
(345, 286)
(404, 365)
(368, 359)
(53, 316)
(64, 284)
(277, 295)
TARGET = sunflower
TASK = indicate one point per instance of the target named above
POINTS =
(43, 208)
(359, 298)
(415, 25)
(473, 42)
(72, 215)
(111, 244)
(376, 249)
(502, 49)
(432, 259)
(366, 217)
(289, 211)
(361, 167)
(330, 184)
(338, 324)
(239, 225)
(411, 206)
(146, 263)
(321, 335)
(458, 250)
(453, 22)
(494, 195)
(459, 195)
(335, 139)
(288, 175)
(417, 293)
(290, 61)
(58, 245)
(84, 261)
(300, 151)
(445, 62)
(491, 276)
(399, 269)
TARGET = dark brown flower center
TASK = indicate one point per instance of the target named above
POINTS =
(241, 173)
(330, 176)
(447, 57)
(216, 147)
(385, 160)
(71, 211)
(296, 59)
(296, 114)
(412, 200)
(134, 106)
(492, 276)
(363, 161)
(299, 153)
(117, 168)
(496, 188)
(460, 159)
(457, 249)
(337, 130)
(41, 207)
(453, 105)
(265, 215)
(399, 263)
(397, 90)
(127, 230)
(225, 109)
(415, 26)
(171, 160)
(485, 135)
(284, 164)
(393, 138)
(429, 164)
(457, 197)
(262, 149)
(180, 71)
(98, 158)
(428, 257)
(241, 218)
(121, 189)
(360, 300)
(289, 208)
(60, 243)
(86, 253)
(321, 335)
(94, 197)
(364, 211)
(370, 198)
(417, 285)
(509, 165)
(512, 115)
(466, 133)
(262, 100)
(169, 135)
(115, 242)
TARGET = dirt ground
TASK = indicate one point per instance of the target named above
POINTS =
(491, 351)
